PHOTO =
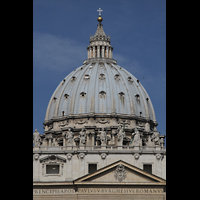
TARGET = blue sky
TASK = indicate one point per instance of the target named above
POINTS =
(61, 32)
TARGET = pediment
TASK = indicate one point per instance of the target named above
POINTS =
(52, 159)
(120, 172)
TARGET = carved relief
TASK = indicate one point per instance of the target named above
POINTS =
(48, 127)
(141, 124)
(64, 123)
(36, 156)
(81, 121)
(124, 121)
(136, 156)
(69, 156)
(103, 155)
(81, 155)
(120, 172)
(52, 159)
(158, 156)
(102, 120)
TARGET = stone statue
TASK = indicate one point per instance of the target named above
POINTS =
(120, 135)
(162, 142)
(155, 138)
(103, 137)
(69, 137)
(136, 137)
(82, 136)
(36, 138)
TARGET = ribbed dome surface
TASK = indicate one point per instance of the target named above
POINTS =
(98, 88)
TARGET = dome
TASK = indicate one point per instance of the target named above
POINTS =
(100, 88)
(99, 91)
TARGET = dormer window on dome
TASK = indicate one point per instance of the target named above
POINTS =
(73, 78)
(102, 76)
(117, 77)
(102, 94)
(130, 79)
(121, 94)
(66, 96)
(83, 94)
(87, 77)
(137, 96)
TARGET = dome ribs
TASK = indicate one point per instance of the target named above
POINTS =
(100, 87)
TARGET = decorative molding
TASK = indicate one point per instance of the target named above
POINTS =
(69, 156)
(158, 156)
(81, 155)
(103, 155)
(64, 123)
(36, 156)
(136, 156)
(81, 121)
(124, 121)
(102, 120)
(52, 159)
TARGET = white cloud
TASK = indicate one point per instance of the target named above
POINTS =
(57, 53)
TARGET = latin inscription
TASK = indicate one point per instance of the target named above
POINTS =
(119, 191)
(97, 191)
(52, 191)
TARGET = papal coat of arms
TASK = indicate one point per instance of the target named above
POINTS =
(120, 172)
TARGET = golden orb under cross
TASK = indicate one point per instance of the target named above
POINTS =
(100, 19)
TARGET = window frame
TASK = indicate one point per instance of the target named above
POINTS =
(91, 163)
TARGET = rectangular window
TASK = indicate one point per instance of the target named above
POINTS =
(52, 169)
(147, 168)
(92, 168)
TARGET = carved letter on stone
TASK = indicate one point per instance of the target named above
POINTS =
(120, 173)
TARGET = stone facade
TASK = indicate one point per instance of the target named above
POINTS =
(119, 180)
